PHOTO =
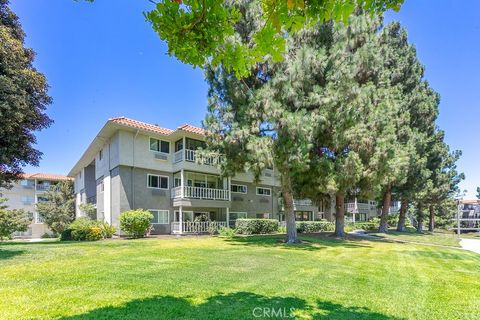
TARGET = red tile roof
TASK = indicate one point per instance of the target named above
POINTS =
(45, 176)
(141, 125)
(154, 128)
(192, 129)
(471, 201)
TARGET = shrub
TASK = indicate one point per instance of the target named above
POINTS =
(314, 226)
(86, 229)
(107, 230)
(226, 232)
(11, 221)
(80, 228)
(94, 233)
(256, 226)
(136, 222)
(66, 235)
(47, 235)
(367, 225)
(89, 210)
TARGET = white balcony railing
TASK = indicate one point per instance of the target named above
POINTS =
(197, 227)
(361, 207)
(192, 155)
(201, 193)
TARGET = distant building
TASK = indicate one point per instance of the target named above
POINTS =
(470, 210)
(27, 192)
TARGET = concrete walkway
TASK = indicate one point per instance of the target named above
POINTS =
(470, 245)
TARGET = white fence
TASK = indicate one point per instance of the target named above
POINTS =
(197, 227)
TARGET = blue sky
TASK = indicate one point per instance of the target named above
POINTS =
(103, 60)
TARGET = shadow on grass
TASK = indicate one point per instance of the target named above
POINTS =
(239, 305)
(310, 242)
(8, 254)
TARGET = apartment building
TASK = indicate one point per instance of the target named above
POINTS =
(132, 164)
(26, 193)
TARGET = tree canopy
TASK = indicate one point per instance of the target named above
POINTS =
(23, 99)
(201, 31)
(58, 207)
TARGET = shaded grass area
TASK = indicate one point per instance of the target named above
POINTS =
(436, 238)
(238, 278)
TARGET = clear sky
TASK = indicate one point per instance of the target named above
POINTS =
(103, 60)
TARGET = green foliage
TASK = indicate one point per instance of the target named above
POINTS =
(58, 209)
(47, 235)
(199, 31)
(12, 221)
(367, 226)
(107, 229)
(314, 226)
(226, 232)
(213, 228)
(23, 99)
(89, 210)
(136, 223)
(256, 226)
(85, 229)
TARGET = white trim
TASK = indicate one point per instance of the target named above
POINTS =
(239, 185)
(265, 195)
(160, 146)
(159, 184)
(162, 210)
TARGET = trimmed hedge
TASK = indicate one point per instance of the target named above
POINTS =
(367, 226)
(314, 226)
(256, 226)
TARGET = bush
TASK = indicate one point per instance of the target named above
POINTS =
(314, 226)
(107, 230)
(136, 222)
(47, 235)
(66, 235)
(256, 226)
(226, 232)
(94, 233)
(367, 226)
(85, 229)
(11, 221)
(213, 228)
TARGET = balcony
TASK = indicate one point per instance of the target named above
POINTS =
(193, 155)
(201, 193)
(302, 202)
(361, 207)
(43, 187)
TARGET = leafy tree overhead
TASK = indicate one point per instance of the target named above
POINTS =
(201, 31)
(478, 192)
(23, 99)
(58, 207)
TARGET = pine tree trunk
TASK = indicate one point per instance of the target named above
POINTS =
(402, 215)
(431, 220)
(420, 218)
(340, 215)
(287, 195)
(387, 199)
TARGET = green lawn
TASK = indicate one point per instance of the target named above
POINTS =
(214, 278)
(438, 238)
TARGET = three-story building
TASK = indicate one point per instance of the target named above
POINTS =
(132, 164)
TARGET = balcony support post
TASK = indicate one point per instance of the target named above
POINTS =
(180, 219)
(228, 216)
(182, 184)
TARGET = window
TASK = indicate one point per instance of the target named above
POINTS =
(24, 183)
(177, 182)
(100, 154)
(238, 188)
(263, 215)
(160, 216)
(178, 145)
(157, 182)
(264, 191)
(27, 200)
(303, 215)
(237, 215)
(159, 145)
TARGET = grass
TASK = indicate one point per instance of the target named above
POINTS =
(215, 278)
(437, 238)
